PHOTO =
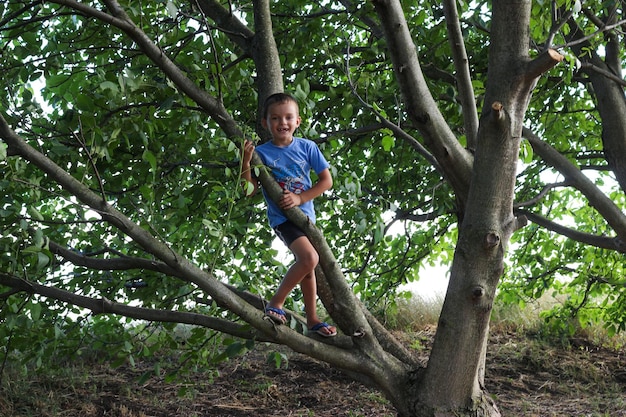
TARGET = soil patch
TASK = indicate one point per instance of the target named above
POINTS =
(526, 378)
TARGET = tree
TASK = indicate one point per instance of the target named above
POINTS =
(121, 191)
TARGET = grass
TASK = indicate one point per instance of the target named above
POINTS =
(530, 372)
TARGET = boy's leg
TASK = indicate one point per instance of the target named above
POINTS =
(309, 294)
(301, 272)
(306, 260)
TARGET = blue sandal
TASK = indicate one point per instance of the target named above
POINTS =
(318, 328)
(277, 315)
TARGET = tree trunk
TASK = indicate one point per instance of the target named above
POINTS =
(453, 382)
(607, 85)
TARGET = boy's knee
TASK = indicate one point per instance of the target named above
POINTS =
(309, 259)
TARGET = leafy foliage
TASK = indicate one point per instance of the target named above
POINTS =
(83, 93)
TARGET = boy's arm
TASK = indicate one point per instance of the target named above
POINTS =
(246, 170)
(324, 183)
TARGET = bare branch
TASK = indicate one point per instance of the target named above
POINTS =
(603, 242)
(105, 306)
(583, 39)
(597, 199)
(541, 195)
(91, 161)
(608, 74)
(556, 27)
(397, 130)
(114, 264)
(463, 77)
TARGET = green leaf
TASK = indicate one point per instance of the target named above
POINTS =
(388, 142)
(35, 311)
(172, 10)
(151, 159)
(108, 85)
(249, 188)
(278, 359)
(145, 377)
(346, 111)
(42, 260)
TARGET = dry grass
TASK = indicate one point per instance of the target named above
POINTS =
(527, 374)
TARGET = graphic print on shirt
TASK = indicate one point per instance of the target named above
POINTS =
(291, 177)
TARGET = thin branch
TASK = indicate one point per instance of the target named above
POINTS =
(397, 130)
(12, 16)
(215, 54)
(113, 264)
(603, 242)
(608, 74)
(463, 76)
(546, 189)
(592, 35)
(105, 306)
(572, 174)
(556, 27)
(91, 161)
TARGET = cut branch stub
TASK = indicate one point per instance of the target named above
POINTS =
(478, 292)
(492, 240)
(496, 111)
(543, 63)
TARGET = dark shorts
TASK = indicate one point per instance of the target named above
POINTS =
(288, 232)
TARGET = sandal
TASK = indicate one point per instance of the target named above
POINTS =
(319, 329)
(276, 315)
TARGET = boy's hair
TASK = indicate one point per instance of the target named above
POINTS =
(278, 98)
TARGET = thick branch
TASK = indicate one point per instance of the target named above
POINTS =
(543, 63)
(236, 31)
(120, 19)
(421, 107)
(223, 296)
(597, 199)
(266, 57)
(349, 313)
(350, 316)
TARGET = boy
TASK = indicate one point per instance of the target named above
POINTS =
(290, 160)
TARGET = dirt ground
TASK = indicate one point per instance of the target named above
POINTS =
(525, 378)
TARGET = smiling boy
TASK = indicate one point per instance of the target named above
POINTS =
(291, 160)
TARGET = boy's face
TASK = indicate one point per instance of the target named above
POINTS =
(282, 120)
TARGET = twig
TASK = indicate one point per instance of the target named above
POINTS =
(91, 160)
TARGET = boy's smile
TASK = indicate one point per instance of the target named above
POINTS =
(282, 120)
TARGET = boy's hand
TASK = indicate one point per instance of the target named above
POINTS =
(290, 200)
(250, 184)
(248, 150)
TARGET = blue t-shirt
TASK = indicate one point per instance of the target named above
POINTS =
(291, 167)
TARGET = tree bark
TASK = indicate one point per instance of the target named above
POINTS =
(610, 98)
(419, 103)
(453, 382)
